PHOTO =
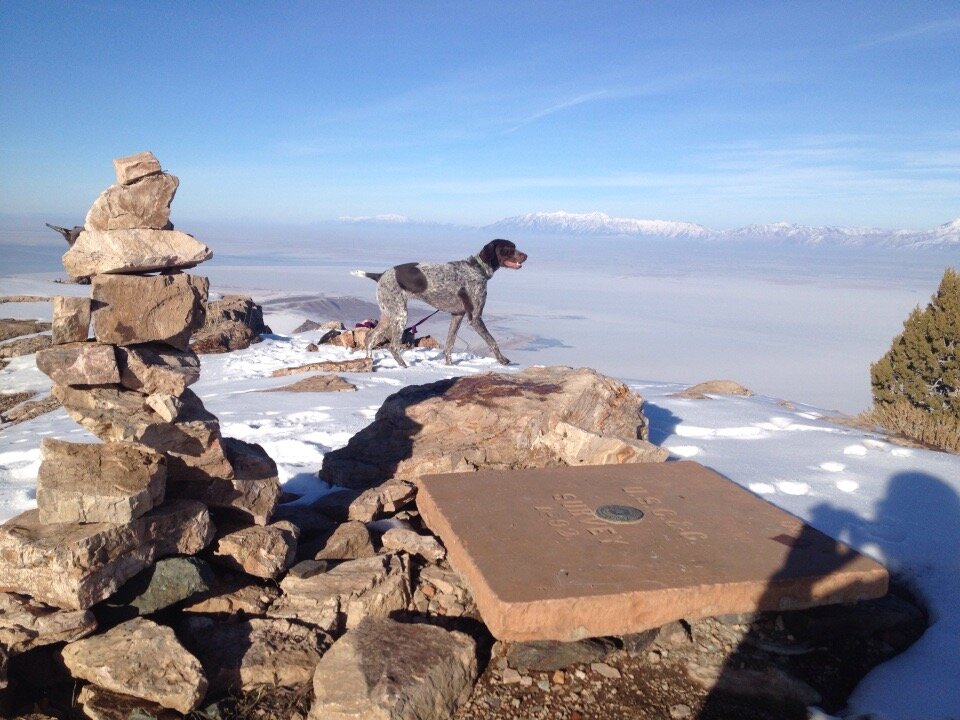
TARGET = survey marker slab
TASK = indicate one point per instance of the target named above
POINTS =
(573, 552)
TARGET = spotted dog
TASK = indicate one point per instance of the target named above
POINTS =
(458, 287)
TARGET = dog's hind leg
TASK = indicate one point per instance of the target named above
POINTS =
(455, 321)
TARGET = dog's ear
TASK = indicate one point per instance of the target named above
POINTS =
(494, 250)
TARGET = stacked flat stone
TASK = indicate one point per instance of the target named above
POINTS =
(107, 511)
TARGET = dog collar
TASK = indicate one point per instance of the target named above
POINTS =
(487, 270)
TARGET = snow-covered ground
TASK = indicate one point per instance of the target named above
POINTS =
(899, 505)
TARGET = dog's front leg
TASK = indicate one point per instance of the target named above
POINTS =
(455, 321)
(481, 329)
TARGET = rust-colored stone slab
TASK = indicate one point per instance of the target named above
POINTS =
(543, 565)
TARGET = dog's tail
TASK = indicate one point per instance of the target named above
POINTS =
(363, 273)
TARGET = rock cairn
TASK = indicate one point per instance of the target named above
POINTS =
(107, 511)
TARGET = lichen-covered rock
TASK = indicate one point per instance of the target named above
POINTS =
(496, 421)
(165, 583)
(142, 659)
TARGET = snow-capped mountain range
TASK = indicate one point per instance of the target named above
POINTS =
(599, 224)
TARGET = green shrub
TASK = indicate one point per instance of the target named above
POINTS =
(916, 384)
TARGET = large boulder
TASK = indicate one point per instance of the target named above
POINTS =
(74, 565)
(233, 322)
(540, 417)
(131, 309)
(133, 250)
(142, 659)
(386, 670)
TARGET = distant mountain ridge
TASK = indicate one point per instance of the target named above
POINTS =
(601, 224)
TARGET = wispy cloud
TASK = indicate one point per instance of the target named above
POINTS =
(580, 100)
(937, 27)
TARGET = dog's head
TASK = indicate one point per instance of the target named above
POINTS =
(502, 253)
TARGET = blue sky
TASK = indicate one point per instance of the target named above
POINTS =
(718, 113)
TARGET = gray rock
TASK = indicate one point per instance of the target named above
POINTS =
(142, 659)
(131, 309)
(79, 363)
(308, 568)
(496, 421)
(26, 623)
(156, 368)
(261, 551)
(71, 319)
(131, 168)
(142, 204)
(165, 583)
(75, 566)
(388, 670)
(343, 596)
(98, 483)
(241, 655)
(548, 655)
